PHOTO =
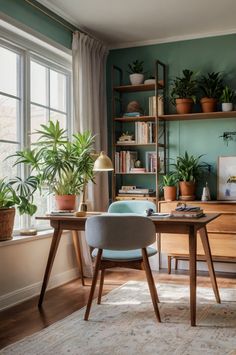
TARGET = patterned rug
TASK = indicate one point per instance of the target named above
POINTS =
(125, 324)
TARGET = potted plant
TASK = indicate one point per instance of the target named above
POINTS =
(136, 72)
(169, 182)
(61, 165)
(21, 196)
(183, 92)
(211, 86)
(187, 170)
(227, 99)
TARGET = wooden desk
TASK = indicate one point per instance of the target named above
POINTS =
(188, 226)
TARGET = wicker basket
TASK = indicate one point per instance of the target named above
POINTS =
(7, 216)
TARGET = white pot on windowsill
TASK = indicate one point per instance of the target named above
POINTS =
(227, 106)
(136, 78)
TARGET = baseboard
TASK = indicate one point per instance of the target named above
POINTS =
(12, 298)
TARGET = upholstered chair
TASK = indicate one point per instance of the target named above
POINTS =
(131, 206)
(121, 240)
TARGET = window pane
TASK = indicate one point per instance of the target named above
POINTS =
(38, 117)
(6, 166)
(38, 83)
(8, 118)
(8, 71)
(57, 91)
(42, 208)
(55, 116)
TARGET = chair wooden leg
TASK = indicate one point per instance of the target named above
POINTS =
(101, 286)
(151, 284)
(169, 264)
(94, 282)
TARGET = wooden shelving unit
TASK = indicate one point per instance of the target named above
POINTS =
(198, 116)
(119, 178)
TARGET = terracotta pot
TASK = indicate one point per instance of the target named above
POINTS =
(208, 104)
(7, 216)
(187, 190)
(184, 106)
(170, 193)
(65, 202)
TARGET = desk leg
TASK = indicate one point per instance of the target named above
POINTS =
(77, 244)
(53, 249)
(207, 250)
(192, 273)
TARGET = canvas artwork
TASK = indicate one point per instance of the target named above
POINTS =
(226, 179)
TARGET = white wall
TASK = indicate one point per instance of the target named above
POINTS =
(22, 266)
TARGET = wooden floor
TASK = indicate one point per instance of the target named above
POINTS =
(25, 319)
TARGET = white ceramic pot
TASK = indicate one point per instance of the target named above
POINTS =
(136, 79)
(227, 106)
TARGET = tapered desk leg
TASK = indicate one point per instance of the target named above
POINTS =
(53, 249)
(77, 244)
(192, 273)
(207, 250)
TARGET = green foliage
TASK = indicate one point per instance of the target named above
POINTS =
(184, 87)
(187, 167)
(63, 166)
(169, 179)
(8, 197)
(136, 67)
(228, 95)
(211, 85)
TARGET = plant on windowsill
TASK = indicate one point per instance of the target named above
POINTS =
(19, 193)
(187, 170)
(227, 99)
(136, 72)
(61, 165)
(183, 92)
(211, 86)
(169, 182)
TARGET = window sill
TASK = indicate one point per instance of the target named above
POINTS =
(23, 239)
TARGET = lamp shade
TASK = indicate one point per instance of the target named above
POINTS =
(103, 163)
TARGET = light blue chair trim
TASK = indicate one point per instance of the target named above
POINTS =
(133, 206)
(124, 255)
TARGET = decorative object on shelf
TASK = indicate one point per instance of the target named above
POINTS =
(169, 182)
(64, 166)
(211, 86)
(134, 106)
(226, 178)
(151, 80)
(126, 137)
(227, 99)
(206, 193)
(137, 164)
(136, 72)
(187, 170)
(183, 92)
(228, 136)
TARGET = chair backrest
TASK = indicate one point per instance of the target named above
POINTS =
(132, 206)
(119, 231)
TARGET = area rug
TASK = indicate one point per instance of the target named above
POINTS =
(125, 324)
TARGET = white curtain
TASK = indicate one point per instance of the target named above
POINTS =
(89, 97)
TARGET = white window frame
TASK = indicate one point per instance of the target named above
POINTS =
(48, 56)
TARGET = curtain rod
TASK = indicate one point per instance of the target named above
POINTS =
(68, 27)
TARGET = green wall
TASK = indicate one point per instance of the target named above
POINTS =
(32, 17)
(201, 55)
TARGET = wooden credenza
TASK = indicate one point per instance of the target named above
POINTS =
(221, 232)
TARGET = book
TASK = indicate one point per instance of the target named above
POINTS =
(62, 213)
(152, 106)
(187, 213)
(137, 170)
(136, 191)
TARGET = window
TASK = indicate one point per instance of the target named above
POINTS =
(33, 90)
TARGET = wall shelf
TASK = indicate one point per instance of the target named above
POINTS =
(141, 87)
(198, 116)
(135, 119)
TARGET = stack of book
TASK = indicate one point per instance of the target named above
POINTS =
(152, 106)
(124, 161)
(187, 211)
(145, 132)
(135, 192)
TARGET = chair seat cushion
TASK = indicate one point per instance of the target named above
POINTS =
(124, 255)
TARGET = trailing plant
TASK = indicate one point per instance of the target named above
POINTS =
(188, 167)
(184, 87)
(227, 95)
(136, 67)
(211, 85)
(61, 165)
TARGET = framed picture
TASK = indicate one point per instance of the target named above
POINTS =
(226, 178)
